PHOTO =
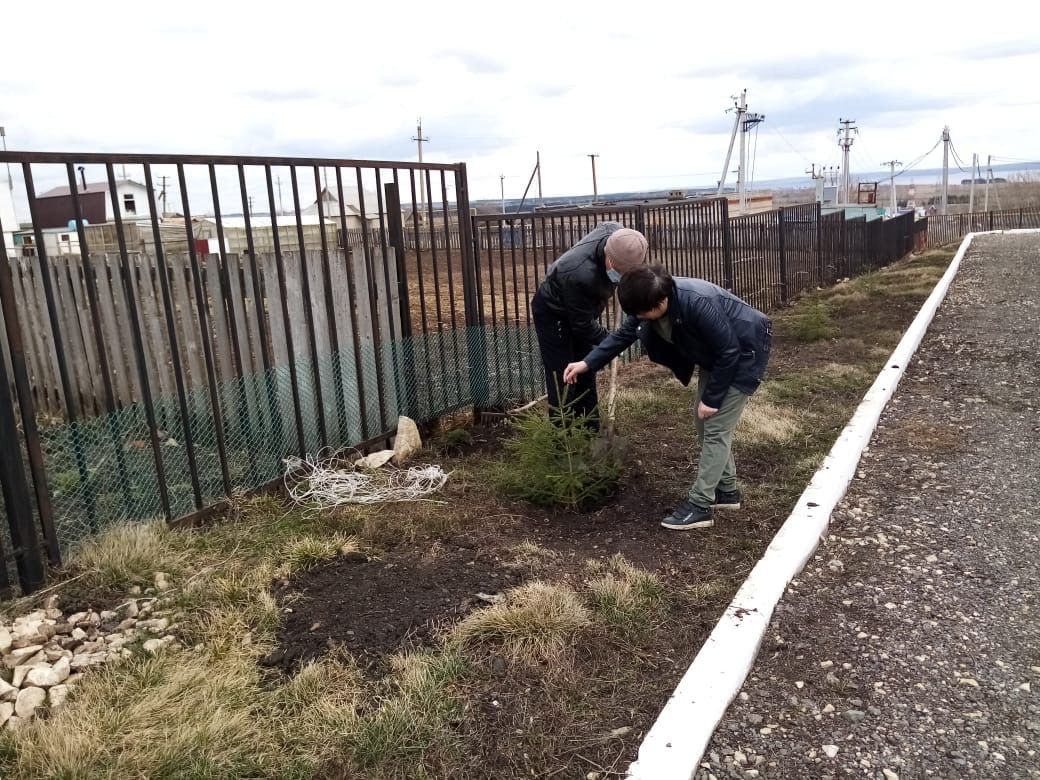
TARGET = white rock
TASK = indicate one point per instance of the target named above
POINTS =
(375, 460)
(17, 657)
(969, 681)
(740, 758)
(40, 659)
(153, 646)
(79, 634)
(41, 677)
(161, 581)
(51, 602)
(52, 613)
(108, 615)
(828, 708)
(6, 711)
(56, 696)
(14, 723)
(158, 625)
(62, 669)
(5, 641)
(77, 618)
(8, 692)
(52, 654)
(830, 750)
(889, 774)
(131, 609)
(18, 677)
(407, 442)
(28, 700)
(1024, 687)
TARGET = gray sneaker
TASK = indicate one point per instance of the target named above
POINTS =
(687, 516)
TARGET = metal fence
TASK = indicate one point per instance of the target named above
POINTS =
(162, 364)
(947, 228)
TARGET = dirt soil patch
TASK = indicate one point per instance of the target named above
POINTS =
(373, 607)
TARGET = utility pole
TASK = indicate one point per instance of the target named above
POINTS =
(3, 138)
(740, 106)
(502, 182)
(250, 205)
(989, 178)
(750, 120)
(419, 139)
(892, 180)
(281, 208)
(971, 189)
(946, 170)
(538, 167)
(162, 194)
(595, 191)
(845, 140)
(817, 182)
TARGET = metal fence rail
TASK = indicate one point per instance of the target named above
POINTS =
(159, 363)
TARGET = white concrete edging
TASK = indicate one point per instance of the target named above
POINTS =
(675, 744)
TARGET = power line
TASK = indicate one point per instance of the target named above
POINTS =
(789, 146)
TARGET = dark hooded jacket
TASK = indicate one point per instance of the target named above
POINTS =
(711, 328)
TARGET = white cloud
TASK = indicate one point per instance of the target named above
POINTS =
(644, 86)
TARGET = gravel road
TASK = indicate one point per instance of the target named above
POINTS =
(910, 645)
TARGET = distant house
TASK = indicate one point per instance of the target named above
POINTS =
(55, 207)
(330, 208)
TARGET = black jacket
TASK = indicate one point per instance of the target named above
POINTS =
(711, 328)
(576, 286)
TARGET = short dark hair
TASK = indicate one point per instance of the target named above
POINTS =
(643, 288)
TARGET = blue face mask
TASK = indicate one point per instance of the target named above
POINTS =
(613, 275)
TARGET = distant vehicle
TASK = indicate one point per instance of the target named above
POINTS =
(981, 180)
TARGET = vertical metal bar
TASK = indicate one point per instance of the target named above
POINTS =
(99, 342)
(178, 370)
(422, 282)
(405, 368)
(352, 289)
(71, 402)
(25, 544)
(16, 490)
(330, 306)
(228, 311)
(308, 310)
(527, 321)
(727, 249)
(425, 175)
(205, 334)
(138, 342)
(266, 347)
(476, 340)
(782, 245)
(451, 287)
(377, 329)
(505, 305)
(290, 350)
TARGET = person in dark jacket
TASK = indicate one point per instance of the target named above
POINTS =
(568, 302)
(682, 324)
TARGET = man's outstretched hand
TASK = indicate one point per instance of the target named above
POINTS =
(574, 370)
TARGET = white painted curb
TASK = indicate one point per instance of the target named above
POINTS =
(673, 747)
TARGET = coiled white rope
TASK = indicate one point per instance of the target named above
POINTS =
(325, 482)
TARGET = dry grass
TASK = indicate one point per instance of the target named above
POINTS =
(537, 623)
(181, 714)
(764, 422)
(131, 554)
(306, 552)
(622, 595)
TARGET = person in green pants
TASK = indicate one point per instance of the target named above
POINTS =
(683, 324)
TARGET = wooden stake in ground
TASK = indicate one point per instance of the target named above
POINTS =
(612, 391)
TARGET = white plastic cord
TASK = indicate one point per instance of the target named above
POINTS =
(329, 482)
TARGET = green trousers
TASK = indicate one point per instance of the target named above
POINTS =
(716, 468)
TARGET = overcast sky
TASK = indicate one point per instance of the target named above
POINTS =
(644, 85)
